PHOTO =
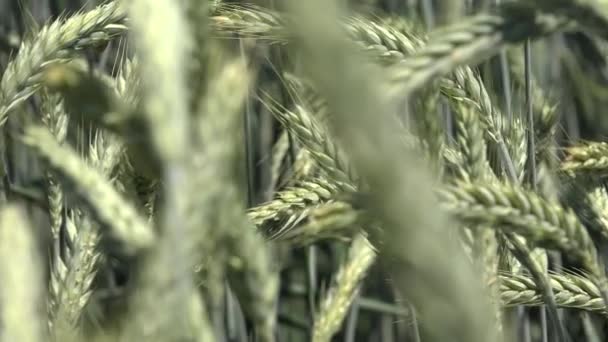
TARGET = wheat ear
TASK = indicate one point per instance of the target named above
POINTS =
(340, 295)
(21, 77)
(105, 203)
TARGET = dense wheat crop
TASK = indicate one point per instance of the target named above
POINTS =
(303, 170)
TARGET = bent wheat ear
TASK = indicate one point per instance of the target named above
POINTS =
(542, 222)
(57, 40)
(21, 293)
(105, 202)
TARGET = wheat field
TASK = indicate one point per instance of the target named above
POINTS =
(303, 170)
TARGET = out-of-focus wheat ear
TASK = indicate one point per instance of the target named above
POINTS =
(335, 306)
(597, 199)
(399, 193)
(571, 291)
(166, 118)
(97, 194)
(591, 15)
(21, 293)
(197, 14)
(58, 40)
(317, 141)
(89, 97)
(161, 69)
(249, 263)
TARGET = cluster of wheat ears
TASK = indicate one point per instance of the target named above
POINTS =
(397, 162)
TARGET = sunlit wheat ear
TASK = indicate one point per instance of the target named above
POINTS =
(58, 40)
(72, 278)
(336, 304)
(100, 198)
(21, 293)
(587, 158)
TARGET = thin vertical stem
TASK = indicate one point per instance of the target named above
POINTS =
(311, 258)
(351, 323)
